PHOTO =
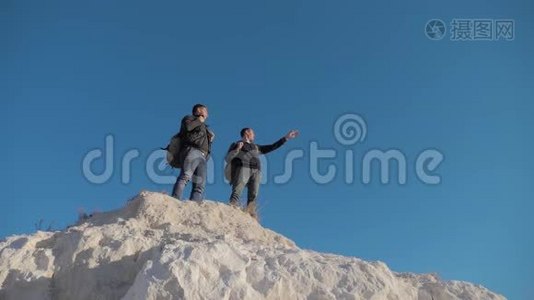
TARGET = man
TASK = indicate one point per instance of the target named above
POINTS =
(244, 160)
(196, 141)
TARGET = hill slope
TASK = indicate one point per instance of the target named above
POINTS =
(159, 248)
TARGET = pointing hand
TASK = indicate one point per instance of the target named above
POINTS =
(292, 134)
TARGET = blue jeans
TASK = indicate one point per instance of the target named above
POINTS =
(193, 169)
(249, 178)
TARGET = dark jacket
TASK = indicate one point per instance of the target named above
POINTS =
(196, 134)
(249, 155)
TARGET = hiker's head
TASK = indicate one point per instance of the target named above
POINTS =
(200, 110)
(248, 134)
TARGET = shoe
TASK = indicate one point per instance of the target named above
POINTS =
(251, 210)
(234, 204)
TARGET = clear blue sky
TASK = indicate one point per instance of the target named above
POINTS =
(73, 72)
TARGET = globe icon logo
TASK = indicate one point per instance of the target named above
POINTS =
(435, 29)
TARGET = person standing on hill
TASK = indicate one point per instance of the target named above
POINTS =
(245, 169)
(197, 140)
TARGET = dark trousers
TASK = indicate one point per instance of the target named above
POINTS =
(193, 169)
(245, 177)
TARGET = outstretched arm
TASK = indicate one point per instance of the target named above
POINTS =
(264, 149)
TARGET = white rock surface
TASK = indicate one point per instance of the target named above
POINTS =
(159, 248)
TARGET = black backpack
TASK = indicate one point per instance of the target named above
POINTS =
(174, 151)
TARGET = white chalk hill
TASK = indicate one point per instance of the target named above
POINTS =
(159, 248)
